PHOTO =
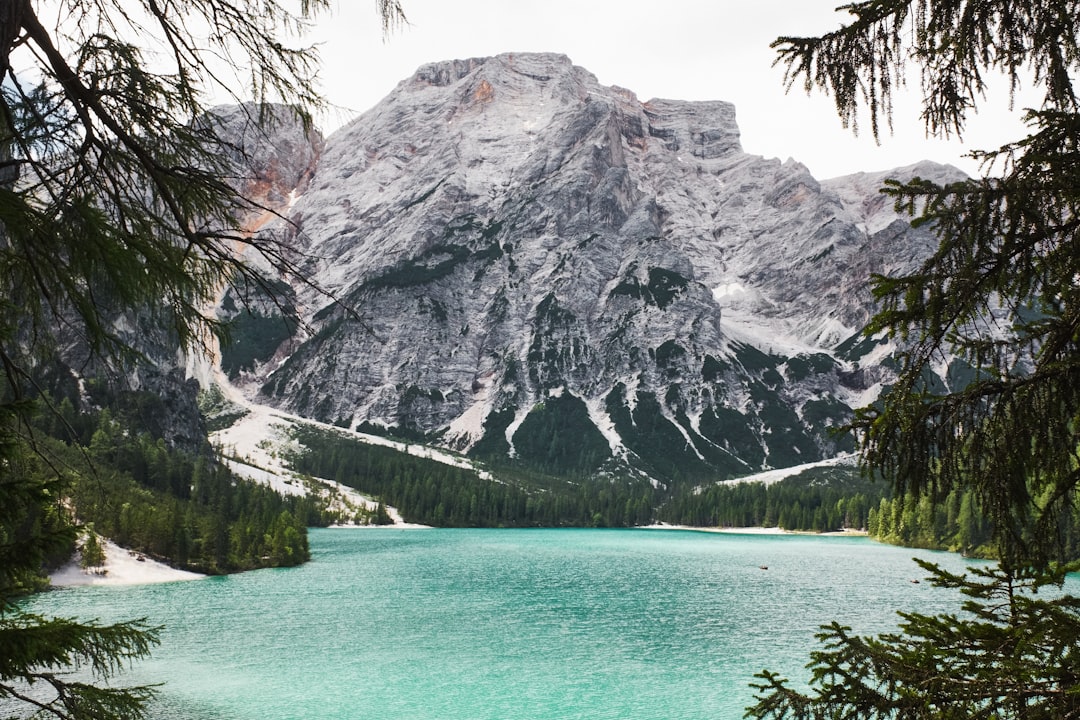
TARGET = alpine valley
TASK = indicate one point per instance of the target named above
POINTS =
(511, 261)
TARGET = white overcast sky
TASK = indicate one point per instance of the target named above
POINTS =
(679, 49)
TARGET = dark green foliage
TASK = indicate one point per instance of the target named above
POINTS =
(957, 522)
(414, 392)
(1000, 296)
(648, 433)
(818, 500)
(661, 289)
(828, 417)
(550, 314)
(804, 365)
(35, 531)
(434, 493)
(494, 444)
(116, 209)
(789, 442)
(435, 263)
(91, 554)
(1009, 654)
(731, 429)
(465, 239)
(557, 349)
(858, 346)
(187, 511)
(665, 286)
(394, 432)
(217, 411)
(252, 338)
(712, 369)
(1000, 292)
(424, 195)
(753, 360)
(258, 319)
(669, 354)
(558, 437)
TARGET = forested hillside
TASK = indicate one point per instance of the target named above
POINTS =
(816, 500)
(180, 507)
(433, 493)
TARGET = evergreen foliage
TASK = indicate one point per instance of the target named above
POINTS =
(255, 329)
(813, 501)
(956, 523)
(999, 295)
(1010, 654)
(558, 437)
(434, 493)
(185, 510)
(115, 202)
(36, 652)
(91, 554)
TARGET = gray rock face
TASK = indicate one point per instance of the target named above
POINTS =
(547, 268)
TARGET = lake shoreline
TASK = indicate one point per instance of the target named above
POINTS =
(122, 567)
(127, 567)
(757, 530)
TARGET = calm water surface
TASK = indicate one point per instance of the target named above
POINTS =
(523, 624)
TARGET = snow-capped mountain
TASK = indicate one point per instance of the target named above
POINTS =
(533, 265)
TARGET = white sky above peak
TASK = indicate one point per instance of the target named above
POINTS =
(679, 49)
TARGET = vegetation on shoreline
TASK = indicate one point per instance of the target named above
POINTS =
(433, 493)
(184, 509)
(815, 500)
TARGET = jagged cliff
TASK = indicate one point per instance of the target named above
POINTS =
(533, 265)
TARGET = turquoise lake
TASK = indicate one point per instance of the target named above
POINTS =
(508, 624)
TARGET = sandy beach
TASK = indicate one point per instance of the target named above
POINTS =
(756, 530)
(122, 567)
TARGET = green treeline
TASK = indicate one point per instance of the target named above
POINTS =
(956, 523)
(186, 510)
(433, 493)
(820, 500)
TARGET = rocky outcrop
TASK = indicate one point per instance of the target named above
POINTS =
(529, 262)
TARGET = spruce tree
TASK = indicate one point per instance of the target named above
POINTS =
(116, 199)
(92, 553)
(1009, 655)
(1000, 295)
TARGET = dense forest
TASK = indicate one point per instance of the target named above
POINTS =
(816, 500)
(956, 522)
(189, 510)
(177, 506)
(434, 493)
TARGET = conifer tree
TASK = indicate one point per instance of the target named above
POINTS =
(92, 554)
(1010, 655)
(1000, 295)
(115, 198)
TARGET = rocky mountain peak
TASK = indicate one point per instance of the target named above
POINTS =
(549, 271)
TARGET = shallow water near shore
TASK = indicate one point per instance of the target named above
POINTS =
(524, 624)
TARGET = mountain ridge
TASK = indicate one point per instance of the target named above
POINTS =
(551, 272)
